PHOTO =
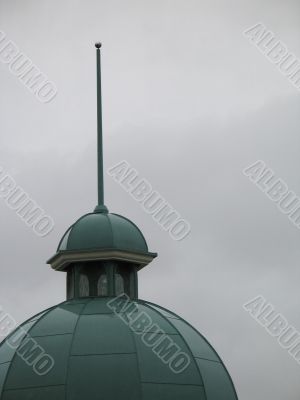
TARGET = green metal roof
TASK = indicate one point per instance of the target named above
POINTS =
(102, 236)
(102, 231)
(98, 356)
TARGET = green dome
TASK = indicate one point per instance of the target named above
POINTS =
(103, 231)
(97, 355)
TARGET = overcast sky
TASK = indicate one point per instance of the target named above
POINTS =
(189, 102)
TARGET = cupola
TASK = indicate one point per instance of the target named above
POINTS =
(101, 252)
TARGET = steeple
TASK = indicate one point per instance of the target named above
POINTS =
(100, 207)
(101, 252)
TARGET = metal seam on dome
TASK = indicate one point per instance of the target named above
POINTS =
(68, 237)
(68, 231)
(121, 216)
(137, 362)
(207, 359)
(54, 334)
(111, 229)
(35, 387)
(71, 346)
(101, 354)
(72, 226)
(83, 216)
(15, 353)
(173, 383)
(188, 347)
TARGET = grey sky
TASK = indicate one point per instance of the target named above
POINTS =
(189, 103)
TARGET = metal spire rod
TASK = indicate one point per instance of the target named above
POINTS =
(99, 125)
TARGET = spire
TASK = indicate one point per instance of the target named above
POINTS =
(101, 252)
(100, 207)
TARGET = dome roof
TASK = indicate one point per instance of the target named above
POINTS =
(102, 236)
(97, 355)
(103, 231)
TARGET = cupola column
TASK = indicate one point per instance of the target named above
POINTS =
(102, 279)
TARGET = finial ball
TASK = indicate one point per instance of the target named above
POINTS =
(98, 45)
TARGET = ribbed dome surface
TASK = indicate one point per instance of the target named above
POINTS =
(103, 231)
(98, 356)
